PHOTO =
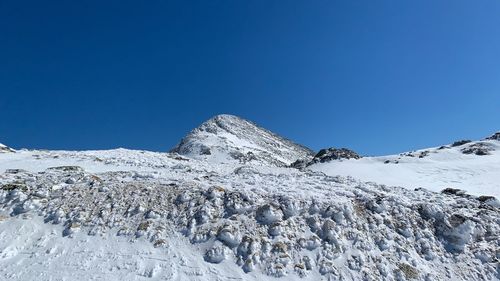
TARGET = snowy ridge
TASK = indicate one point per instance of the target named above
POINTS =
(230, 138)
(4, 149)
(469, 165)
(495, 136)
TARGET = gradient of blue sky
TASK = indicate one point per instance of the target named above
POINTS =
(376, 76)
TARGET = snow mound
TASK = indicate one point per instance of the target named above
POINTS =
(230, 138)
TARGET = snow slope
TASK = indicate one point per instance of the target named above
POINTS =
(139, 215)
(33, 250)
(434, 169)
(226, 138)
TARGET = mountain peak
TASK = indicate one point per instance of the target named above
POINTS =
(225, 116)
(228, 137)
(226, 122)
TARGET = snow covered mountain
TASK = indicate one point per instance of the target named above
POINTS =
(473, 166)
(4, 149)
(226, 138)
(140, 215)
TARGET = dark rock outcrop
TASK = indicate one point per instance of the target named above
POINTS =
(325, 155)
(495, 136)
(479, 148)
(329, 154)
(300, 164)
(460, 142)
(4, 149)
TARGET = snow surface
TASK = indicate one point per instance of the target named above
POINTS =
(439, 169)
(138, 215)
(33, 250)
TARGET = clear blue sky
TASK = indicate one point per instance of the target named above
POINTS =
(376, 76)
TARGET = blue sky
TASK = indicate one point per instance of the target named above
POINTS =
(376, 76)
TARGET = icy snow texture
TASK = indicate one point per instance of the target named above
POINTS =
(228, 138)
(189, 220)
(434, 168)
(138, 215)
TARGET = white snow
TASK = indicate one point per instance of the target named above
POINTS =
(227, 138)
(138, 215)
(440, 169)
(31, 249)
(4, 148)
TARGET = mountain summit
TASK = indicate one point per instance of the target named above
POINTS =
(228, 138)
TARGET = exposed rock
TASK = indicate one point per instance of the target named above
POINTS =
(479, 148)
(453, 191)
(495, 136)
(423, 154)
(409, 271)
(329, 154)
(456, 230)
(489, 200)
(460, 142)
(408, 154)
(300, 164)
(15, 171)
(67, 168)
(5, 149)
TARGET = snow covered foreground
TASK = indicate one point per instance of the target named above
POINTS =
(138, 215)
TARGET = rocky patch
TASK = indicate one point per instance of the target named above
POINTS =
(495, 136)
(460, 143)
(479, 148)
(5, 149)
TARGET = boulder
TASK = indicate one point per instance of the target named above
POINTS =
(460, 142)
(329, 154)
(479, 148)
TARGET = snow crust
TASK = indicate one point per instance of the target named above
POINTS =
(436, 170)
(34, 250)
(240, 213)
(138, 215)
